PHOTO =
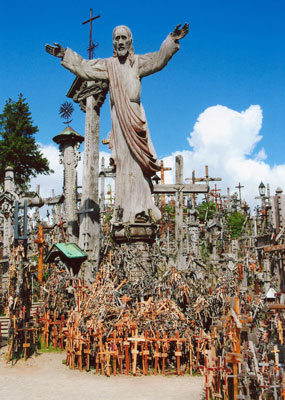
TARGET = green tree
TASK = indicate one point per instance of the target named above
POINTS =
(235, 223)
(18, 148)
(206, 210)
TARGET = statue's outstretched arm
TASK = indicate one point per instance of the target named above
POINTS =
(178, 33)
(154, 62)
(57, 50)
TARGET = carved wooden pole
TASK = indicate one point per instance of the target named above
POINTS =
(6, 209)
(68, 141)
(179, 208)
(89, 213)
(91, 96)
(102, 185)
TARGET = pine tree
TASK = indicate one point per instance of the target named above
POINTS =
(18, 148)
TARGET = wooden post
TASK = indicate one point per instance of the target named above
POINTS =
(191, 362)
(145, 353)
(135, 339)
(102, 186)
(162, 170)
(179, 208)
(126, 346)
(87, 351)
(157, 354)
(89, 213)
(40, 241)
(164, 351)
(26, 345)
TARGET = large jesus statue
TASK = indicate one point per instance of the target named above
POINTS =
(132, 151)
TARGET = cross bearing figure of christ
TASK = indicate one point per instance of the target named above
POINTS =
(133, 154)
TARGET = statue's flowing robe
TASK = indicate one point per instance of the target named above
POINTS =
(132, 149)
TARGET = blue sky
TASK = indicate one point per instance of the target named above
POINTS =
(233, 56)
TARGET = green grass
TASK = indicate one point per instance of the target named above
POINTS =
(50, 349)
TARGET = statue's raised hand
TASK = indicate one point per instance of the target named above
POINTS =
(57, 51)
(178, 33)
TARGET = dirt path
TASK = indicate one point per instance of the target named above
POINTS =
(46, 378)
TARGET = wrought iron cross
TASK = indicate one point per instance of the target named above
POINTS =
(239, 187)
(91, 45)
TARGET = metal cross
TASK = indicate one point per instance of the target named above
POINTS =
(91, 45)
(239, 187)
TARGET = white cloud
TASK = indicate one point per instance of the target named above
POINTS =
(222, 138)
(52, 181)
(225, 140)
(55, 180)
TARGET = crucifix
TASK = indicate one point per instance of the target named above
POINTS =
(162, 170)
(206, 179)
(91, 45)
(41, 242)
(215, 194)
(239, 187)
(180, 189)
(89, 211)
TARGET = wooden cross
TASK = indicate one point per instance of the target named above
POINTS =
(40, 241)
(145, 353)
(206, 178)
(215, 194)
(60, 225)
(26, 345)
(61, 334)
(178, 352)
(125, 299)
(179, 189)
(191, 361)
(126, 346)
(280, 330)
(115, 352)
(162, 170)
(136, 340)
(86, 210)
(164, 354)
(156, 354)
(276, 357)
(90, 20)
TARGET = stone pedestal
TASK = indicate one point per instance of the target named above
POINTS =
(137, 232)
(134, 242)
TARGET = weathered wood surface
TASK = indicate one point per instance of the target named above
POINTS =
(184, 188)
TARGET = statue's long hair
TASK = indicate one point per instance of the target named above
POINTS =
(131, 53)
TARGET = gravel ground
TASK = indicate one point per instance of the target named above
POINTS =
(44, 377)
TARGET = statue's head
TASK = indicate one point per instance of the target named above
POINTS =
(122, 42)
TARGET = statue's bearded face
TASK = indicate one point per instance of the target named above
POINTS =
(121, 42)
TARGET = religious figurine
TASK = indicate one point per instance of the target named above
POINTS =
(133, 154)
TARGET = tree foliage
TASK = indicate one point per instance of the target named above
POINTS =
(235, 223)
(18, 148)
(206, 210)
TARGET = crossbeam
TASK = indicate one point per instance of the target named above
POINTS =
(184, 188)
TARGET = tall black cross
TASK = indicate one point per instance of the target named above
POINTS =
(239, 187)
(91, 46)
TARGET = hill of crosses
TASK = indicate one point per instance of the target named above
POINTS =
(146, 278)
